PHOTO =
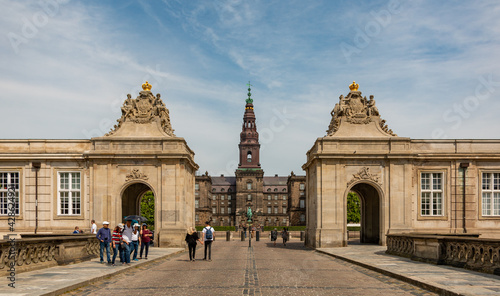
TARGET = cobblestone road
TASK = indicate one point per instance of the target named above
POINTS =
(261, 270)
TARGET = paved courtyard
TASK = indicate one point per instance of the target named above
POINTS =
(261, 270)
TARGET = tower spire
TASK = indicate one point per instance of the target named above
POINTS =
(249, 137)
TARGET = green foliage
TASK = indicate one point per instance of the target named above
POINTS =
(354, 228)
(353, 208)
(148, 209)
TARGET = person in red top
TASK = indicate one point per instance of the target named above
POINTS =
(146, 235)
(116, 240)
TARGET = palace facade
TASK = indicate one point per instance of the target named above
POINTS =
(277, 200)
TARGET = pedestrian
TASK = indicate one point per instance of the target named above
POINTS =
(104, 236)
(77, 230)
(284, 235)
(146, 235)
(116, 240)
(127, 240)
(136, 240)
(191, 238)
(93, 227)
(274, 236)
(208, 238)
(245, 230)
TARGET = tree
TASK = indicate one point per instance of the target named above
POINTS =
(148, 208)
(353, 208)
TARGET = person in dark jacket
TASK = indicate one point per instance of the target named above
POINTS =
(104, 237)
(191, 238)
(274, 236)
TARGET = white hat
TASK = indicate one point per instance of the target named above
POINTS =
(105, 222)
(121, 225)
(137, 225)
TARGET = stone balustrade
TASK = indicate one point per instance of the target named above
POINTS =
(466, 251)
(41, 252)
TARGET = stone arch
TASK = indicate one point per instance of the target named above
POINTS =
(372, 222)
(130, 196)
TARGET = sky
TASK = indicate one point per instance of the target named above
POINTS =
(432, 66)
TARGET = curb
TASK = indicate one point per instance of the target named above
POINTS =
(92, 280)
(418, 283)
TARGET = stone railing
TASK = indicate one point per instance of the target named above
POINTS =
(466, 251)
(42, 252)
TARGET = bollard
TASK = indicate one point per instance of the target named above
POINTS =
(242, 236)
(302, 235)
(257, 236)
(228, 236)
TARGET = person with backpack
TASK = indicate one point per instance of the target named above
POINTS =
(191, 238)
(285, 236)
(208, 238)
(274, 236)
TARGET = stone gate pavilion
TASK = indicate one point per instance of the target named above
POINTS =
(405, 185)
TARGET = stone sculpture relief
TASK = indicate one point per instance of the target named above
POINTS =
(146, 108)
(355, 109)
(136, 174)
(363, 174)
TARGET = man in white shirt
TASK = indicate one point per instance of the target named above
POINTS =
(208, 238)
(127, 239)
(93, 228)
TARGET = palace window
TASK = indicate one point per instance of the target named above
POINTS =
(214, 197)
(490, 192)
(69, 193)
(196, 186)
(269, 197)
(431, 194)
(302, 218)
(249, 186)
(196, 193)
(222, 197)
(249, 156)
(9, 180)
(275, 189)
(214, 210)
(222, 190)
(196, 218)
(229, 210)
(276, 197)
(222, 210)
(302, 203)
(269, 210)
(196, 203)
(302, 186)
(249, 197)
(284, 210)
(268, 189)
(228, 197)
(302, 193)
(276, 210)
(284, 197)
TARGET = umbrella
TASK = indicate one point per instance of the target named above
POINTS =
(135, 217)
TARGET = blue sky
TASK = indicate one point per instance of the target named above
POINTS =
(433, 67)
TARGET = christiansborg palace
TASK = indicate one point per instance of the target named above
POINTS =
(405, 185)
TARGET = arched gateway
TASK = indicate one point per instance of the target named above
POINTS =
(405, 185)
(103, 178)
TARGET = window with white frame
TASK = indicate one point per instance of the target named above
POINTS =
(196, 218)
(249, 186)
(196, 203)
(9, 180)
(222, 210)
(222, 197)
(196, 186)
(431, 188)
(276, 210)
(276, 197)
(69, 193)
(249, 197)
(490, 192)
(302, 218)
(302, 193)
(214, 210)
(284, 197)
(228, 197)
(214, 197)
(284, 210)
(269, 197)
(269, 210)
(302, 203)
(229, 210)
(302, 186)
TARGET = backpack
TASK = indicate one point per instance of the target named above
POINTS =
(208, 233)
